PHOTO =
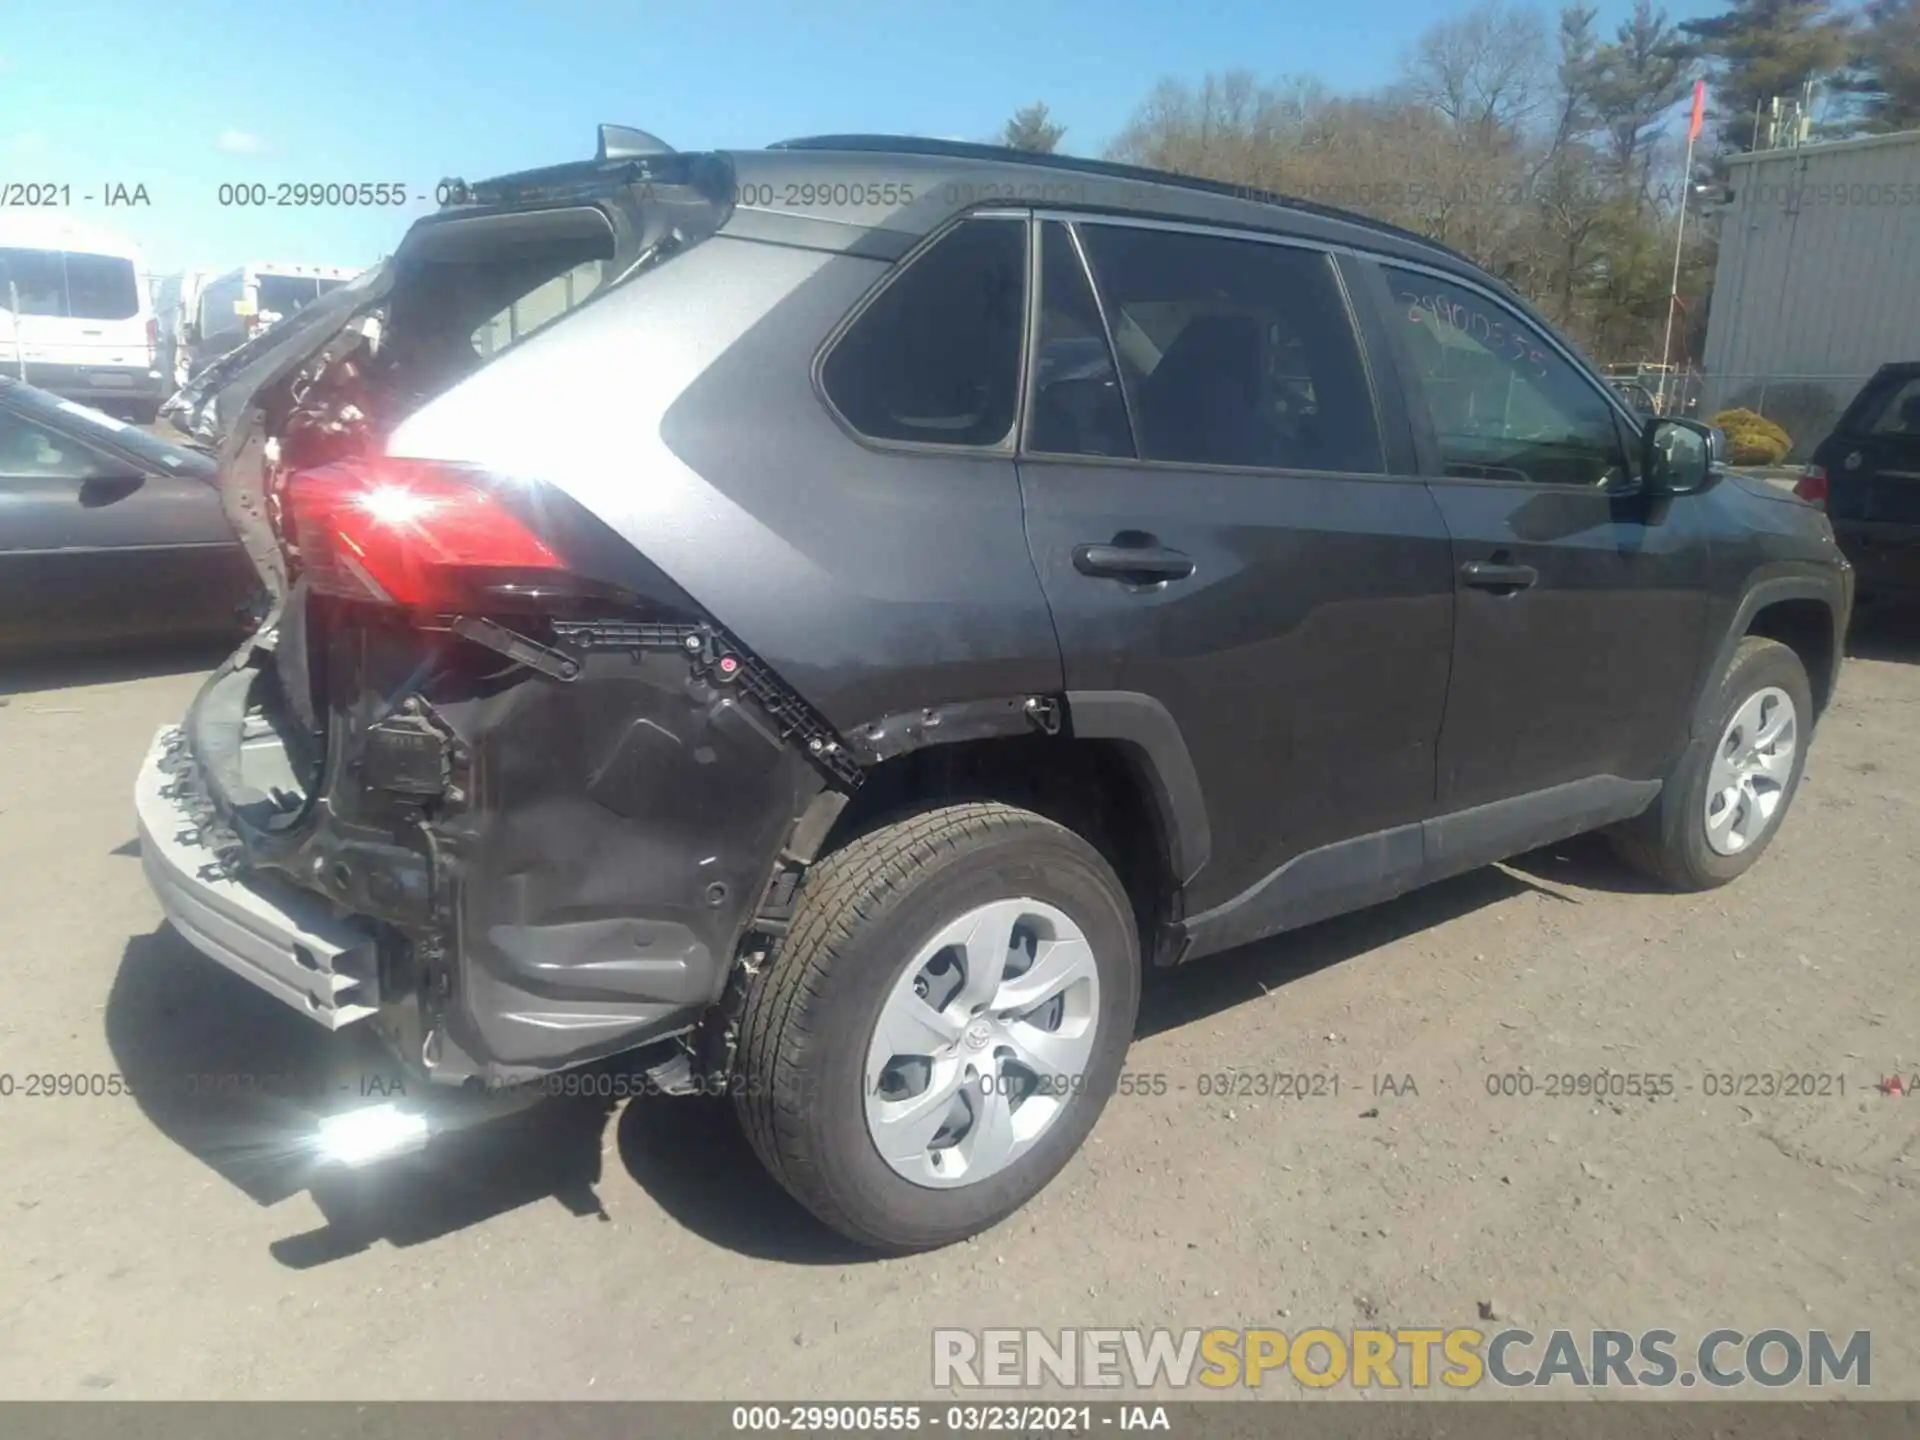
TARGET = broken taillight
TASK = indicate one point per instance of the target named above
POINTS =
(1812, 485)
(414, 533)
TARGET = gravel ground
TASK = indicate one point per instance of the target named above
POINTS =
(169, 1247)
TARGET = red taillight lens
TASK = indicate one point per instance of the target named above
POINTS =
(1812, 485)
(407, 532)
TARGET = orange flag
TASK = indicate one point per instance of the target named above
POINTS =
(1699, 109)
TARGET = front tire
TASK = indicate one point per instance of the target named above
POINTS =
(1730, 792)
(942, 1026)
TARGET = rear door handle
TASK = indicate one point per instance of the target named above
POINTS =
(1500, 578)
(1143, 565)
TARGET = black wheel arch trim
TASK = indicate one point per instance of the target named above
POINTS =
(1142, 722)
(1829, 587)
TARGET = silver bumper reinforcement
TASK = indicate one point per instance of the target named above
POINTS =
(289, 942)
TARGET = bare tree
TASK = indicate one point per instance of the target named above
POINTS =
(1531, 157)
(1483, 71)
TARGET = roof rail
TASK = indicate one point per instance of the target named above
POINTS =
(973, 150)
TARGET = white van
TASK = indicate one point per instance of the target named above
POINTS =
(74, 313)
(176, 307)
(237, 305)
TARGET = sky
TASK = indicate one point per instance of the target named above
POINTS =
(185, 97)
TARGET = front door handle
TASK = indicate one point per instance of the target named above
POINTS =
(1138, 564)
(1501, 579)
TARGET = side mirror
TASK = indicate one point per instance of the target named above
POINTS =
(1677, 457)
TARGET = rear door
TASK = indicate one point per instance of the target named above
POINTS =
(1227, 532)
(76, 308)
(219, 326)
(96, 548)
(1581, 607)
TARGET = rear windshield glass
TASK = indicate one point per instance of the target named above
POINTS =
(72, 285)
(284, 294)
(450, 316)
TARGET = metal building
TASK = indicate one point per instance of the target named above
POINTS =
(1818, 279)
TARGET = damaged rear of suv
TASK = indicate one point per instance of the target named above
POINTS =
(495, 779)
(813, 623)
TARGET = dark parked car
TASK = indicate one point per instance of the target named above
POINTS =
(108, 533)
(1866, 476)
(923, 585)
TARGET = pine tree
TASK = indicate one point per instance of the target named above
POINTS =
(1763, 49)
(1886, 75)
(1031, 129)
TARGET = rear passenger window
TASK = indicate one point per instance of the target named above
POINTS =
(936, 357)
(1235, 352)
(1078, 408)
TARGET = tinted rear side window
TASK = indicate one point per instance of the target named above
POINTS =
(936, 357)
(1236, 352)
(1078, 408)
(1897, 412)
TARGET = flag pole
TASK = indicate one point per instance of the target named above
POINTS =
(1680, 233)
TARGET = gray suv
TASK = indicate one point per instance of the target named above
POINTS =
(813, 624)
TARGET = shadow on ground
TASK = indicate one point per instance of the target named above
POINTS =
(236, 1078)
(34, 674)
(1886, 633)
(1586, 862)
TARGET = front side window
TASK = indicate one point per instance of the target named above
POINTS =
(33, 452)
(1235, 352)
(1505, 404)
(935, 359)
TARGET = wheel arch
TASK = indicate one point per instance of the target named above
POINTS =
(1805, 612)
(1103, 786)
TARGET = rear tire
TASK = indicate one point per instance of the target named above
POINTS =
(1718, 812)
(874, 922)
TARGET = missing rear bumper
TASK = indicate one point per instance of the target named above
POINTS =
(285, 940)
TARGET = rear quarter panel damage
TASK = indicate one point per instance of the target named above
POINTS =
(680, 410)
(619, 833)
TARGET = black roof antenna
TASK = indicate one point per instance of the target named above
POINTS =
(623, 142)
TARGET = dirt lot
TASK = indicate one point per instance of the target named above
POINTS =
(167, 1247)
